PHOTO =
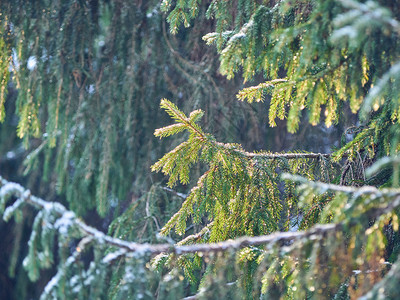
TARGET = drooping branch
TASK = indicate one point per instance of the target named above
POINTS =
(17, 190)
(10, 188)
(380, 208)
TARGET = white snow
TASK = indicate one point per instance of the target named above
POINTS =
(31, 64)
(346, 31)
(66, 221)
(114, 255)
(10, 210)
(9, 189)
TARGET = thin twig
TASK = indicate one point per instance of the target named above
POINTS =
(267, 155)
(181, 195)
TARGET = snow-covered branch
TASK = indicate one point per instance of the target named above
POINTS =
(389, 198)
(358, 191)
(10, 188)
(17, 190)
(373, 11)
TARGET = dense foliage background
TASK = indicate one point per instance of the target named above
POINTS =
(80, 90)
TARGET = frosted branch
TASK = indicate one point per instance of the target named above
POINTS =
(392, 195)
(132, 247)
(369, 9)
(391, 192)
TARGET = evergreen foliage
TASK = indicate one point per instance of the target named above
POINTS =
(86, 75)
(290, 225)
(240, 190)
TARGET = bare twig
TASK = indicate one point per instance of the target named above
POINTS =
(181, 195)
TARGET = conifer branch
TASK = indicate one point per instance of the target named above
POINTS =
(337, 188)
(268, 155)
(10, 188)
(175, 113)
(190, 64)
(383, 207)
(232, 159)
(285, 155)
(194, 237)
(181, 118)
(364, 190)
(373, 12)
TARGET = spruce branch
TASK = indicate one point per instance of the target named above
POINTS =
(132, 247)
(216, 195)
(189, 123)
(284, 155)
(180, 117)
(333, 187)
(191, 65)
(385, 200)
(97, 236)
(373, 11)
(255, 93)
(53, 283)
(376, 92)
